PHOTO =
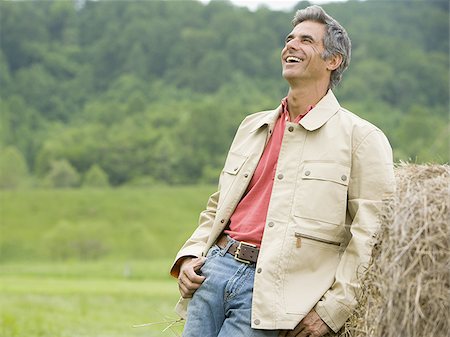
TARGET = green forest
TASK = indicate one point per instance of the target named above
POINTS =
(142, 93)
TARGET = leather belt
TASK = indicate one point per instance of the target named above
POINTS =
(242, 251)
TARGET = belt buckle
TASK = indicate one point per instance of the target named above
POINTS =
(238, 251)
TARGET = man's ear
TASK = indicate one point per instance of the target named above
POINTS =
(334, 62)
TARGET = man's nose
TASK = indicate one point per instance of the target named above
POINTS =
(293, 44)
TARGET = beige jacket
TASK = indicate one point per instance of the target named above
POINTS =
(333, 171)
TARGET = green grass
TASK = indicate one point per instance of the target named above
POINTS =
(118, 223)
(110, 269)
(79, 263)
(77, 307)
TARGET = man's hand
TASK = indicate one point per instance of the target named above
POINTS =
(310, 326)
(188, 280)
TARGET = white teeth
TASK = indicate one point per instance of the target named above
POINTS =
(293, 59)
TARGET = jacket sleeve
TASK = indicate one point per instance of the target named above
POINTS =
(371, 181)
(197, 242)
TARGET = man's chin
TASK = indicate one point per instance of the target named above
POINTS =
(289, 76)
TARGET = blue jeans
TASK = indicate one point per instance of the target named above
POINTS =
(221, 307)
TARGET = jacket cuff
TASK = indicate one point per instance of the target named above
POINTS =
(333, 313)
(192, 251)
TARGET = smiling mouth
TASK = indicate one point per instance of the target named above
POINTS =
(293, 59)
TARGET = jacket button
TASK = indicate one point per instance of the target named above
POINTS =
(257, 321)
(222, 221)
(280, 176)
(307, 173)
(344, 177)
(246, 175)
(271, 224)
(236, 168)
(259, 270)
(291, 128)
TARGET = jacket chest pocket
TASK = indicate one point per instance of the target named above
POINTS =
(321, 192)
(230, 172)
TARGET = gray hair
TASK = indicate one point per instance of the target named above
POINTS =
(336, 40)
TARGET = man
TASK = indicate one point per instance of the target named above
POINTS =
(292, 223)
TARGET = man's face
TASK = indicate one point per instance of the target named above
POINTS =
(301, 56)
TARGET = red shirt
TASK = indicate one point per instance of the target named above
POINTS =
(249, 218)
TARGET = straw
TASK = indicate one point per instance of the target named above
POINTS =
(405, 290)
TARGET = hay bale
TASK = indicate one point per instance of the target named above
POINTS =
(405, 290)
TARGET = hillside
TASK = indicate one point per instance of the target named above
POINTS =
(145, 92)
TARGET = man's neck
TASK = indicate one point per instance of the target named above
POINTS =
(299, 99)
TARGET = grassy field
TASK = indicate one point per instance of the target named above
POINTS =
(51, 300)
(85, 224)
(50, 287)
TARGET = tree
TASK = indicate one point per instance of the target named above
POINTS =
(423, 137)
(13, 168)
(154, 90)
(95, 177)
(62, 175)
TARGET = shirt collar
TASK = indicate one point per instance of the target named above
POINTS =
(285, 112)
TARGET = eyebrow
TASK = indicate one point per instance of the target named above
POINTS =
(304, 36)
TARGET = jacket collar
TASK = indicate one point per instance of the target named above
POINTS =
(269, 118)
(313, 120)
(321, 113)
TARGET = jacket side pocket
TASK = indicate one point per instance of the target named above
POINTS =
(309, 271)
